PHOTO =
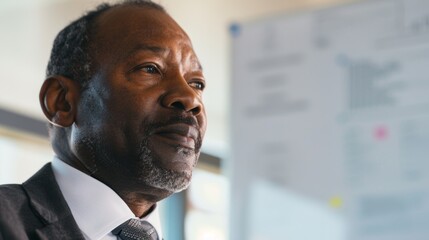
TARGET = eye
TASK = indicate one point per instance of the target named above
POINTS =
(150, 68)
(147, 68)
(198, 85)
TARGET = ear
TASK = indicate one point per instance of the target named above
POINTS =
(58, 98)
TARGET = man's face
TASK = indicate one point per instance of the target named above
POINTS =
(141, 120)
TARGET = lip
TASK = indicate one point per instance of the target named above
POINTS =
(181, 134)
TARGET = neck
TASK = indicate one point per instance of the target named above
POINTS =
(139, 207)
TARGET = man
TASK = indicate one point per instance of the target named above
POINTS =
(123, 96)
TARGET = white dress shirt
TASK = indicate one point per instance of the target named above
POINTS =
(96, 208)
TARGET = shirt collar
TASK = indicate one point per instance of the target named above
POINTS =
(96, 208)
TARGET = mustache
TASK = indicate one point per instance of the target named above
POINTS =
(177, 119)
(191, 121)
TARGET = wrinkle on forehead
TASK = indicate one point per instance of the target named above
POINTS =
(121, 30)
(136, 19)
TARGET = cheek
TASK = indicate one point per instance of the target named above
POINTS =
(98, 120)
(102, 141)
(82, 144)
(91, 106)
(132, 97)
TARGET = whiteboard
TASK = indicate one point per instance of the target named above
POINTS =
(330, 124)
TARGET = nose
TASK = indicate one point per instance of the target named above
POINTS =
(183, 97)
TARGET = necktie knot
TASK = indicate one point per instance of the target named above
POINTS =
(135, 229)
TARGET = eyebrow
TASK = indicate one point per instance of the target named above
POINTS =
(155, 49)
(143, 47)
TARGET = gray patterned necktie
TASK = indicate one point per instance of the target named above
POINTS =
(135, 229)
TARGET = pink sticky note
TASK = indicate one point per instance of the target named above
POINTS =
(381, 133)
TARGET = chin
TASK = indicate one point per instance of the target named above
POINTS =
(180, 160)
(166, 168)
(173, 177)
(170, 181)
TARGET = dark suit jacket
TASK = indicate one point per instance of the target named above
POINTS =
(36, 210)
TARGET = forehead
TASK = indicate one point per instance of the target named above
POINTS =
(121, 29)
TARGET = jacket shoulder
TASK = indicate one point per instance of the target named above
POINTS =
(36, 210)
(11, 195)
(16, 216)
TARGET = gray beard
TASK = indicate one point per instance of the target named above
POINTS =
(154, 175)
(148, 172)
(158, 177)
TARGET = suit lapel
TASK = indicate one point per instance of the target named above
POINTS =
(48, 203)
